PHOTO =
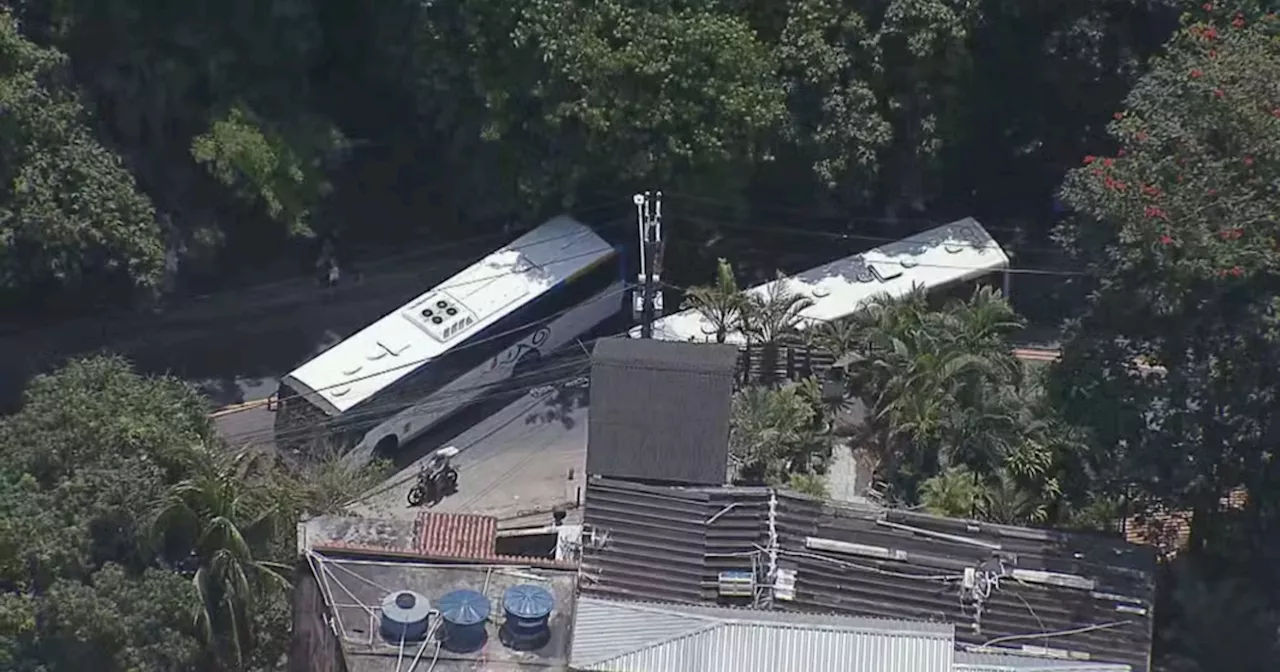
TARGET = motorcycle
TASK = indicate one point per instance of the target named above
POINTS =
(437, 479)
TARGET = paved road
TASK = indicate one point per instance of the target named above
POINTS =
(512, 462)
(232, 345)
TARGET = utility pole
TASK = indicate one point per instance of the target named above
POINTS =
(649, 225)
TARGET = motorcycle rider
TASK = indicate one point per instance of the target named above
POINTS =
(437, 465)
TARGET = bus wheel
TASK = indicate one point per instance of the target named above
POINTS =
(386, 446)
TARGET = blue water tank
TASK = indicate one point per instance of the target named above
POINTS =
(527, 609)
(405, 615)
(464, 613)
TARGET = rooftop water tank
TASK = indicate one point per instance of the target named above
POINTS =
(405, 615)
(464, 614)
(527, 609)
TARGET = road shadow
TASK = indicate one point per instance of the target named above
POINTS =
(559, 403)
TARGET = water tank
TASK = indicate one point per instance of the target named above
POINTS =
(464, 614)
(527, 609)
(405, 615)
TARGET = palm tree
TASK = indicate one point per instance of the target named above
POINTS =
(215, 525)
(956, 492)
(720, 304)
(769, 316)
(942, 386)
(774, 435)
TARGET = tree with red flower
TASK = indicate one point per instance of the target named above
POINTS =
(1184, 272)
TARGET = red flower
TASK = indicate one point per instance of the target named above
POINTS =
(1276, 113)
(1118, 116)
(1213, 53)
(1237, 271)
(1196, 73)
(1210, 33)
(1151, 190)
(1248, 160)
(1218, 93)
(1231, 234)
(1120, 153)
(1142, 135)
(1237, 22)
(1207, 7)
(1108, 162)
(1154, 212)
(1212, 192)
(1166, 239)
(1089, 158)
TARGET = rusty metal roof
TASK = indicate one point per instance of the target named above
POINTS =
(457, 535)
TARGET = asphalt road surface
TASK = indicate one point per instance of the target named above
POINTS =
(514, 462)
(231, 346)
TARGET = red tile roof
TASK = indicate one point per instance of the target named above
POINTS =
(457, 535)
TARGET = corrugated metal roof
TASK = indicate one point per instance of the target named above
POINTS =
(981, 661)
(660, 411)
(668, 543)
(632, 637)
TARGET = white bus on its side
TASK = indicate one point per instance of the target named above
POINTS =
(934, 259)
(403, 374)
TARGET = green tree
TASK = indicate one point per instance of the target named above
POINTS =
(219, 522)
(84, 460)
(1176, 235)
(767, 318)
(72, 220)
(777, 435)
(945, 396)
(121, 621)
(569, 95)
(720, 304)
(283, 174)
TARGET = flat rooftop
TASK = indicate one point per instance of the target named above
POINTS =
(355, 587)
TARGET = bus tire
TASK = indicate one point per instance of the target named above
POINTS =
(386, 446)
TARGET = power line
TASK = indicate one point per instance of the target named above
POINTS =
(128, 345)
(830, 235)
(374, 415)
(811, 214)
(464, 346)
(176, 319)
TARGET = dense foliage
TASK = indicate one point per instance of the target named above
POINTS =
(130, 537)
(209, 137)
(145, 149)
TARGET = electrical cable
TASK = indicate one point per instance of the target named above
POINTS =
(829, 235)
(375, 415)
(813, 215)
(415, 363)
(466, 345)
(195, 303)
(364, 419)
(1056, 633)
